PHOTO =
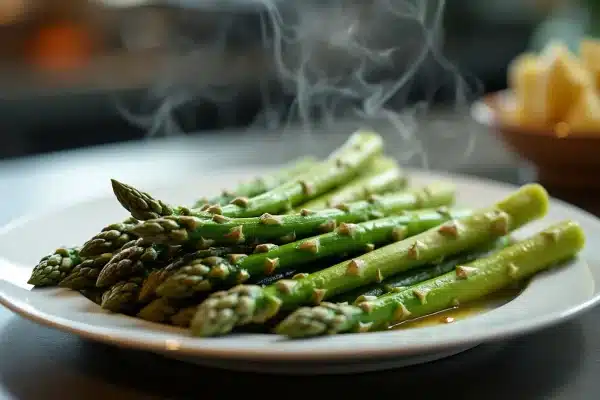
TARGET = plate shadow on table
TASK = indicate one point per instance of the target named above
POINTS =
(52, 364)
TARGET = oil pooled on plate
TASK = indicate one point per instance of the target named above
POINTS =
(466, 310)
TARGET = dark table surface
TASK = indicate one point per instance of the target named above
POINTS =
(561, 362)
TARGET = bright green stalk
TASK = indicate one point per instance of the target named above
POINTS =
(466, 283)
(350, 239)
(244, 304)
(192, 231)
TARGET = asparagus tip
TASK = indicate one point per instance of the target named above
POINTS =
(327, 318)
(224, 310)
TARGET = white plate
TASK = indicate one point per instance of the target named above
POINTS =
(551, 297)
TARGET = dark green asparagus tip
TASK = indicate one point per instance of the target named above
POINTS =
(324, 319)
(53, 268)
(110, 239)
(84, 275)
(127, 262)
(122, 297)
(140, 204)
(240, 305)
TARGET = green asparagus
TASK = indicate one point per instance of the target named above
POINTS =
(287, 228)
(244, 304)
(183, 317)
(135, 257)
(203, 275)
(262, 184)
(340, 167)
(85, 274)
(466, 283)
(122, 297)
(158, 276)
(93, 294)
(143, 206)
(408, 278)
(162, 309)
(53, 268)
(383, 176)
(110, 239)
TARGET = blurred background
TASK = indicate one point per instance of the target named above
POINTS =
(72, 70)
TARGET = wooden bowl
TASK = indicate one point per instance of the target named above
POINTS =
(567, 162)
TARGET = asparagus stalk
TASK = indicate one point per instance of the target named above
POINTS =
(135, 257)
(403, 280)
(383, 176)
(84, 275)
(53, 268)
(340, 167)
(110, 239)
(195, 231)
(467, 283)
(244, 304)
(204, 275)
(262, 184)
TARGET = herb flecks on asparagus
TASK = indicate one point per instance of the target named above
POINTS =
(204, 275)
(53, 268)
(262, 184)
(110, 239)
(382, 176)
(477, 279)
(247, 303)
(275, 228)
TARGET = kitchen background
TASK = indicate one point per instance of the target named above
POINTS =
(70, 70)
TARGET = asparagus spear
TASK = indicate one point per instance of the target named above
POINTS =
(401, 281)
(383, 176)
(204, 275)
(110, 239)
(281, 228)
(341, 166)
(162, 309)
(93, 294)
(179, 311)
(183, 317)
(244, 304)
(136, 256)
(143, 206)
(158, 276)
(468, 282)
(122, 297)
(53, 268)
(84, 275)
(262, 184)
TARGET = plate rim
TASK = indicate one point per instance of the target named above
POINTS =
(387, 348)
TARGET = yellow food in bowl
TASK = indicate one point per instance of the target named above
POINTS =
(556, 89)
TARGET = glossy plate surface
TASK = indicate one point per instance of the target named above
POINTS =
(550, 298)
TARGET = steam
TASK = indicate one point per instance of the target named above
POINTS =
(339, 63)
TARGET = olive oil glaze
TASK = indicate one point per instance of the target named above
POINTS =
(488, 303)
